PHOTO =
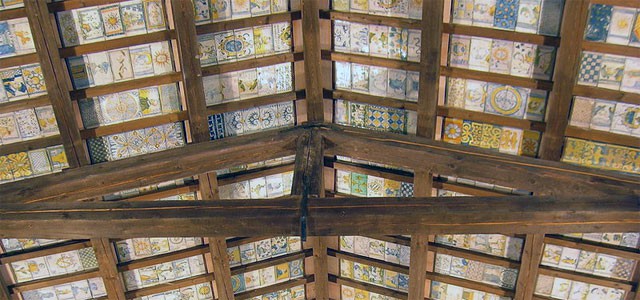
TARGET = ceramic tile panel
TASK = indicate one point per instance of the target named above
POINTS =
(38, 162)
(374, 275)
(492, 244)
(601, 155)
(122, 64)
(589, 262)
(372, 117)
(623, 239)
(376, 249)
(355, 184)
(377, 40)
(163, 272)
(266, 187)
(247, 84)
(530, 16)
(54, 264)
(476, 271)
(137, 142)
(263, 249)
(244, 43)
(202, 291)
(111, 21)
(442, 291)
(350, 293)
(12, 244)
(22, 82)
(80, 290)
(562, 288)
(609, 71)
(411, 9)
(612, 25)
(15, 38)
(494, 137)
(252, 120)
(138, 248)
(500, 56)
(268, 276)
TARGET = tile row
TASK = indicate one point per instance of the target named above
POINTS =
(446, 291)
(608, 71)
(201, 291)
(22, 82)
(247, 84)
(376, 249)
(377, 81)
(494, 98)
(78, 290)
(350, 293)
(27, 124)
(588, 262)
(411, 9)
(502, 57)
(294, 293)
(566, 289)
(374, 275)
(377, 40)
(263, 249)
(265, 187)
(68, 262)
(245, 43)
(362, 185)
(207, 11)
(164, 272)
(603, 115)
(601, 155)
(16, 38)
(375, 117)
(623, 239)
(491, 244)
(252, 120)
(111, 21)
(267, 276)
(476, 271)
(529, 16)
(119, 65)
(504, 139)
(27, 164)
(613, 25)
(129, 105)
(138, 248)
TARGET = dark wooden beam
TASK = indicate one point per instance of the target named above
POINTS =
(101, 179)
(308, 181)
(56, 79)
(108, 271)
(307, 172)
(530, 262)
(221, 269)
(422, 186)
(430, 54)
(566, 71)
(327, 217)
(312, 59)
(187, 41)
(542, 177)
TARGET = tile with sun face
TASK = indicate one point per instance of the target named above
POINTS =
(112, 21)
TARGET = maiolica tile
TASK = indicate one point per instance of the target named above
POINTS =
(377, 40)
(601, 155)
(395, 8)
(120, 64)
(105, 22)
(373, 275)
(562, 288)
(504, 139)
(252, 120)
(374, 117)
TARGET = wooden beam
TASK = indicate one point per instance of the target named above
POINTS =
(327, 217)
(528, 273)
(102, 179)
(5, 294)
(422, 185)
(312, 59)
(429, 68)
(108, 271)
(418, 266)
(566, 71)
(307, 172)
(56, 79)
(321, 267)
(187, 40)
(221, 269)
(542, 177)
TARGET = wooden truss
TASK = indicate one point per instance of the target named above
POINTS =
(565, 198)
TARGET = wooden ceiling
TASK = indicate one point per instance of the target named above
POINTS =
(558, 198)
